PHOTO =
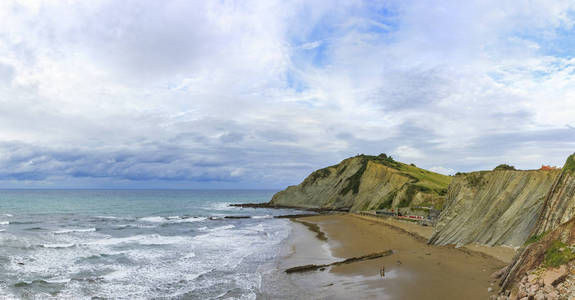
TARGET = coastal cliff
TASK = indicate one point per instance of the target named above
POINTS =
(497, 207)
(551, 241)
(559, 204)
(366, 182)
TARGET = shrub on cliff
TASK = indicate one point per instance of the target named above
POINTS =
(504, 167)
(557, 254)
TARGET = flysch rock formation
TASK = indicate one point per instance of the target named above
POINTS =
(497, 207)
(559, 204)
(555, 224)
(366, 182)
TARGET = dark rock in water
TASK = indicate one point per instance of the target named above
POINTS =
(295, 216)
(320, 235)
(280, 206)
(252, 205)
(313, 267)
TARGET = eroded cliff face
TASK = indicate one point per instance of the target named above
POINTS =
(559, 204)
(555, 224)
(366, 183)
(492, 207)
(538, 253)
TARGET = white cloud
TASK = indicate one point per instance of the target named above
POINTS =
(243, 87)
(442, 170)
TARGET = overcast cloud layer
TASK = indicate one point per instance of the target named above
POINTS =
(257, 94)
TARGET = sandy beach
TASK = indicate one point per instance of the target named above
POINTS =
(414, 271)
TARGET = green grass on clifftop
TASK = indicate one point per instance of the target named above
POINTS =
(427, 179)
(421, 180)
(570, 164)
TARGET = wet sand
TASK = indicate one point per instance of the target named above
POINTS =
(415, 270)
(502, 253)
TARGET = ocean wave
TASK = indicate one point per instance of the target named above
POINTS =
(57, 245)
(151, 239)
(4, 222)
(7, 215)
(25, 222)
(189, 220)
(62, 231)
(121, 226)
(106, 217)
(153, 219)
(220, 206)
(262, 217)
(116, 275)
(61, 280)
(259, 228)
(41, 282)
(172, 219)
(222, 228)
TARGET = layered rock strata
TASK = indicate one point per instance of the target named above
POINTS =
(366, 183)
(492, 207)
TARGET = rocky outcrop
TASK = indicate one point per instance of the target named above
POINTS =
(551, 250)
(366, 182)
(497, 207)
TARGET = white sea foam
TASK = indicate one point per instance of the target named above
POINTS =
(62, 231)
(57, 245)
(220, 206)
(2, 230)
(7, 215)
(259, 227)
(190, 220)
(172, 219)
(153, 219)
(135, 226)
(262, 217)
(222, 228)
(4, 222)
(61, 280)
(151, 239)
(116, 275)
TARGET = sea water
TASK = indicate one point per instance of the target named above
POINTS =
(135, 244)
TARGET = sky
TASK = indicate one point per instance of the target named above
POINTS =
(257, 94)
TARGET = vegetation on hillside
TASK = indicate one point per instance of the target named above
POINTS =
(570, 164)
(420, 180)
(533, 239)
(321, 173)
(505, 167)
(558, 254)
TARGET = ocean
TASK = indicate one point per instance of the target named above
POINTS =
(135, 244)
